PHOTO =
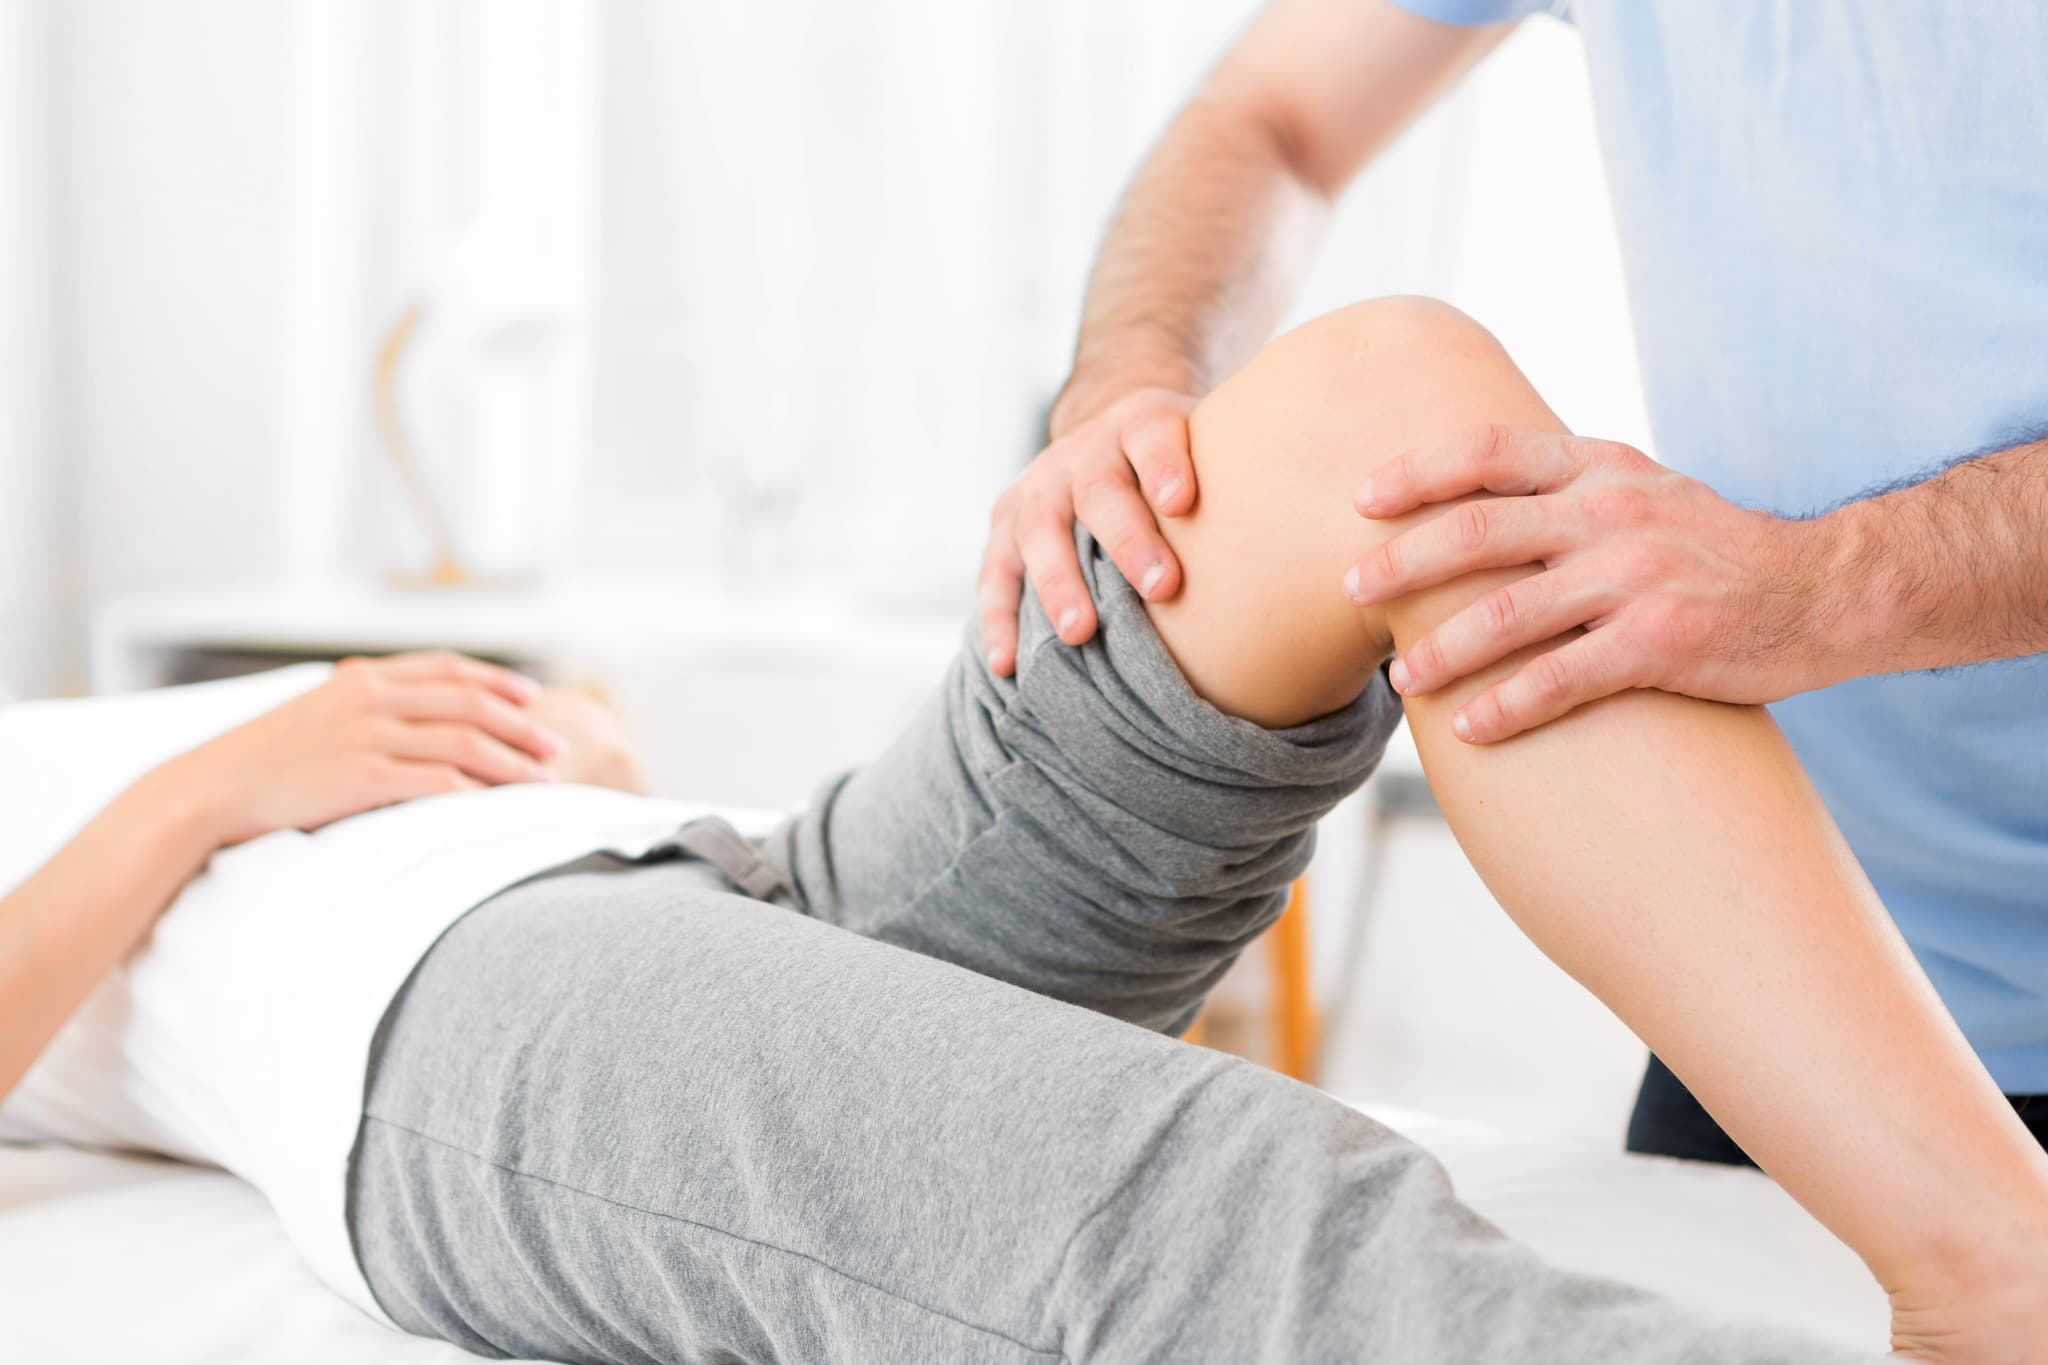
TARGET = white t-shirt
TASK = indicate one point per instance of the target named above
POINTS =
(239, 1032)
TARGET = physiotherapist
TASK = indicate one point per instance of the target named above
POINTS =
(1834, 218)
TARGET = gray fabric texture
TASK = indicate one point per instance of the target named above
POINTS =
(626, 1113)
(1091, 829)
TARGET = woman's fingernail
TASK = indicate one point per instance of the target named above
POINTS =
(550, 742)
(1351, 584)
(1397, 674)
(1461, 727)
(1069, 622)
(1169, 491)
(1153, 577)
(1364, 498)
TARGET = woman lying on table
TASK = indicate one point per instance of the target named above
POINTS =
(547, 1069)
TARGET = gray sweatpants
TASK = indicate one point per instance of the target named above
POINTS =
(892, 1087)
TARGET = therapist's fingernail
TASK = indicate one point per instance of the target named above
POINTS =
(1151, 580)
(1364, 498)
(1397, 674)
(1351, 580)
(550, 742)
(1461, 727)
(1069, 622)
(1169, 492)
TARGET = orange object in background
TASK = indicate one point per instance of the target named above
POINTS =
(1287, 1037)
(1295, 1020)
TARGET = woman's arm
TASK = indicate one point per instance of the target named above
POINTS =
(1669, 853)
(377, 732)
(64, 929)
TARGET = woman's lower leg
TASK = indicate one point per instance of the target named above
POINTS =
(1667, 852)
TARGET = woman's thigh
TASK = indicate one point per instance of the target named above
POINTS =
(633, 1117)
(630, 1115)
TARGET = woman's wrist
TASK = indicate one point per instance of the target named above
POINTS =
(183, 804)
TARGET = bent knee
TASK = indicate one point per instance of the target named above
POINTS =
(1262, 627)
(1357, 386)
(1400, 331)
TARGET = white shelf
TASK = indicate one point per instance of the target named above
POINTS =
(750, 701)
(135, 636)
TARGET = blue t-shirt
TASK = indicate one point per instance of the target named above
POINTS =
(1834, 218)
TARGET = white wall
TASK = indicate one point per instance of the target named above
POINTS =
(852, 279)
(171, 133)
(844, 248)
(32, 581)
(141, 159)
(843, 253)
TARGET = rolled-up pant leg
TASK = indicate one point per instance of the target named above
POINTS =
(630, 1116)
(1091, 829)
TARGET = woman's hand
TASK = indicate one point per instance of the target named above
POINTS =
(378, 732)
(595, 750)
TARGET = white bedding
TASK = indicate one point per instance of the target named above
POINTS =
(108, 1259)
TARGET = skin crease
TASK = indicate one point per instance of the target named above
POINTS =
(1667, 852)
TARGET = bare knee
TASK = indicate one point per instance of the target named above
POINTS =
(1262, 628)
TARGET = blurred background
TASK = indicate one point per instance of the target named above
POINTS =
(698, 339)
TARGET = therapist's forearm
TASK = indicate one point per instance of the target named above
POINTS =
(65, 928)
(1218, 225)
(1950, 571)
(1200, 263)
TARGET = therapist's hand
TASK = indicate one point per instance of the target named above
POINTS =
(378, 732)
(1117, 471)
(1675, 587)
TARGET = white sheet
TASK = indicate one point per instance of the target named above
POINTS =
(113, 1259)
